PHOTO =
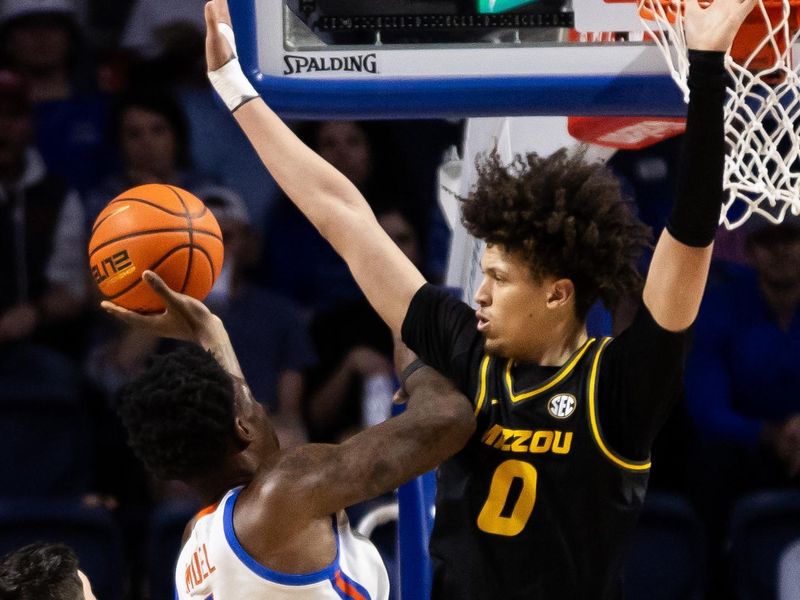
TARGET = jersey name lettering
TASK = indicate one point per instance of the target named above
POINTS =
(524, 440)
(198, 569)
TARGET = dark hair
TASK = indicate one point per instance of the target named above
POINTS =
(40, 572)
(565, 216)
(180, 414)
(160, 103)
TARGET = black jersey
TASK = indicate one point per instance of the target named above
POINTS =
(538, 490)
(540, 503)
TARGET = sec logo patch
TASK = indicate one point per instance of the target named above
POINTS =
(562, 406)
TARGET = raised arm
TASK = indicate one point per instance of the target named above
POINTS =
(325, 196)
(678, 272)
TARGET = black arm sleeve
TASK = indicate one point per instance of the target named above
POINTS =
(641, 378)
(442, 331)
(695, 214)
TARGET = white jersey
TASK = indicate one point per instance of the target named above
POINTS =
(213, 565)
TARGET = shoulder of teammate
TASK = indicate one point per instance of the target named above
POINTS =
(442, 330)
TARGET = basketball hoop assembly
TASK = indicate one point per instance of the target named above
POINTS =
(762, 112)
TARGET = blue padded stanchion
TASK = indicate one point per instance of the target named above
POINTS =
(413, 533)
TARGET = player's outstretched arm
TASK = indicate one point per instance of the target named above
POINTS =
(325, 196)
(185, 319)
(678, 272)
(437, 423)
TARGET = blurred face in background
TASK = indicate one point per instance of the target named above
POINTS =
(345, 145)
(402, 234)
(148, 144)
(40, 43)
(775, 254)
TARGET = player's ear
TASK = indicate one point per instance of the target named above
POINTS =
(244, 430)
(560, 293)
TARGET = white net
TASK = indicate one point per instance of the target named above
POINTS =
(762, 112)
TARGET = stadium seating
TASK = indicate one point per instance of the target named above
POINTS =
(763, 525)
(44, 426)
(666, 560)
(166, 532)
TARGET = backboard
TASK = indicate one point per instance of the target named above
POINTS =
(452, 58)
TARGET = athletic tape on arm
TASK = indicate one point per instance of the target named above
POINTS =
(229, 81)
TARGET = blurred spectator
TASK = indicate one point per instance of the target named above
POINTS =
(352, 385)
(156, 28)
(316, 278)
(43, 572)
(169, 42)
(42, 40)
(43, 277)
(742, 379)
(270, 337)
(152, 139)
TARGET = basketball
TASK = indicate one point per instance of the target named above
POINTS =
(160, 228)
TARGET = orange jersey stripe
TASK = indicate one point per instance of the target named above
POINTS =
(206, 511)
(347, 589)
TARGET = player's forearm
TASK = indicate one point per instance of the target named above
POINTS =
(436, 424)
(325, 196)
(337, 209)
(695, 214)
(679, 269)
(213, 337)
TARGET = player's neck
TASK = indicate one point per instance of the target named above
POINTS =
(559, 345)
(212, 488)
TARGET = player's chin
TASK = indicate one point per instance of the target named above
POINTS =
(493, 346)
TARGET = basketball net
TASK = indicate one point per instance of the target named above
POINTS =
(762, 110)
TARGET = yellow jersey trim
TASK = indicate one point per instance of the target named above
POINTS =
(553, 381)
(481, 398)
(598, 438)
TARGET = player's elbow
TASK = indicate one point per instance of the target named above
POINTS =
(455, 420)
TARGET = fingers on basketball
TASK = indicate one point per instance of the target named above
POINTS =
(128, 317)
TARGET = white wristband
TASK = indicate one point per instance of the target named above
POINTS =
(229, 80)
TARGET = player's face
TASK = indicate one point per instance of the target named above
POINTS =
(148, 143)
(512, 304)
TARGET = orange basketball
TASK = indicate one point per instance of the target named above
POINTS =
(160, 228)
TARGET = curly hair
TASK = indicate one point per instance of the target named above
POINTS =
(565, 216)
(179, 414)
(40, 572)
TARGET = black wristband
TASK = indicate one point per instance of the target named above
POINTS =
(412, 368)
(695, 213)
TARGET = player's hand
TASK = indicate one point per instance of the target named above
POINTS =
(218, 50)
(712, 26)
(185, 318)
